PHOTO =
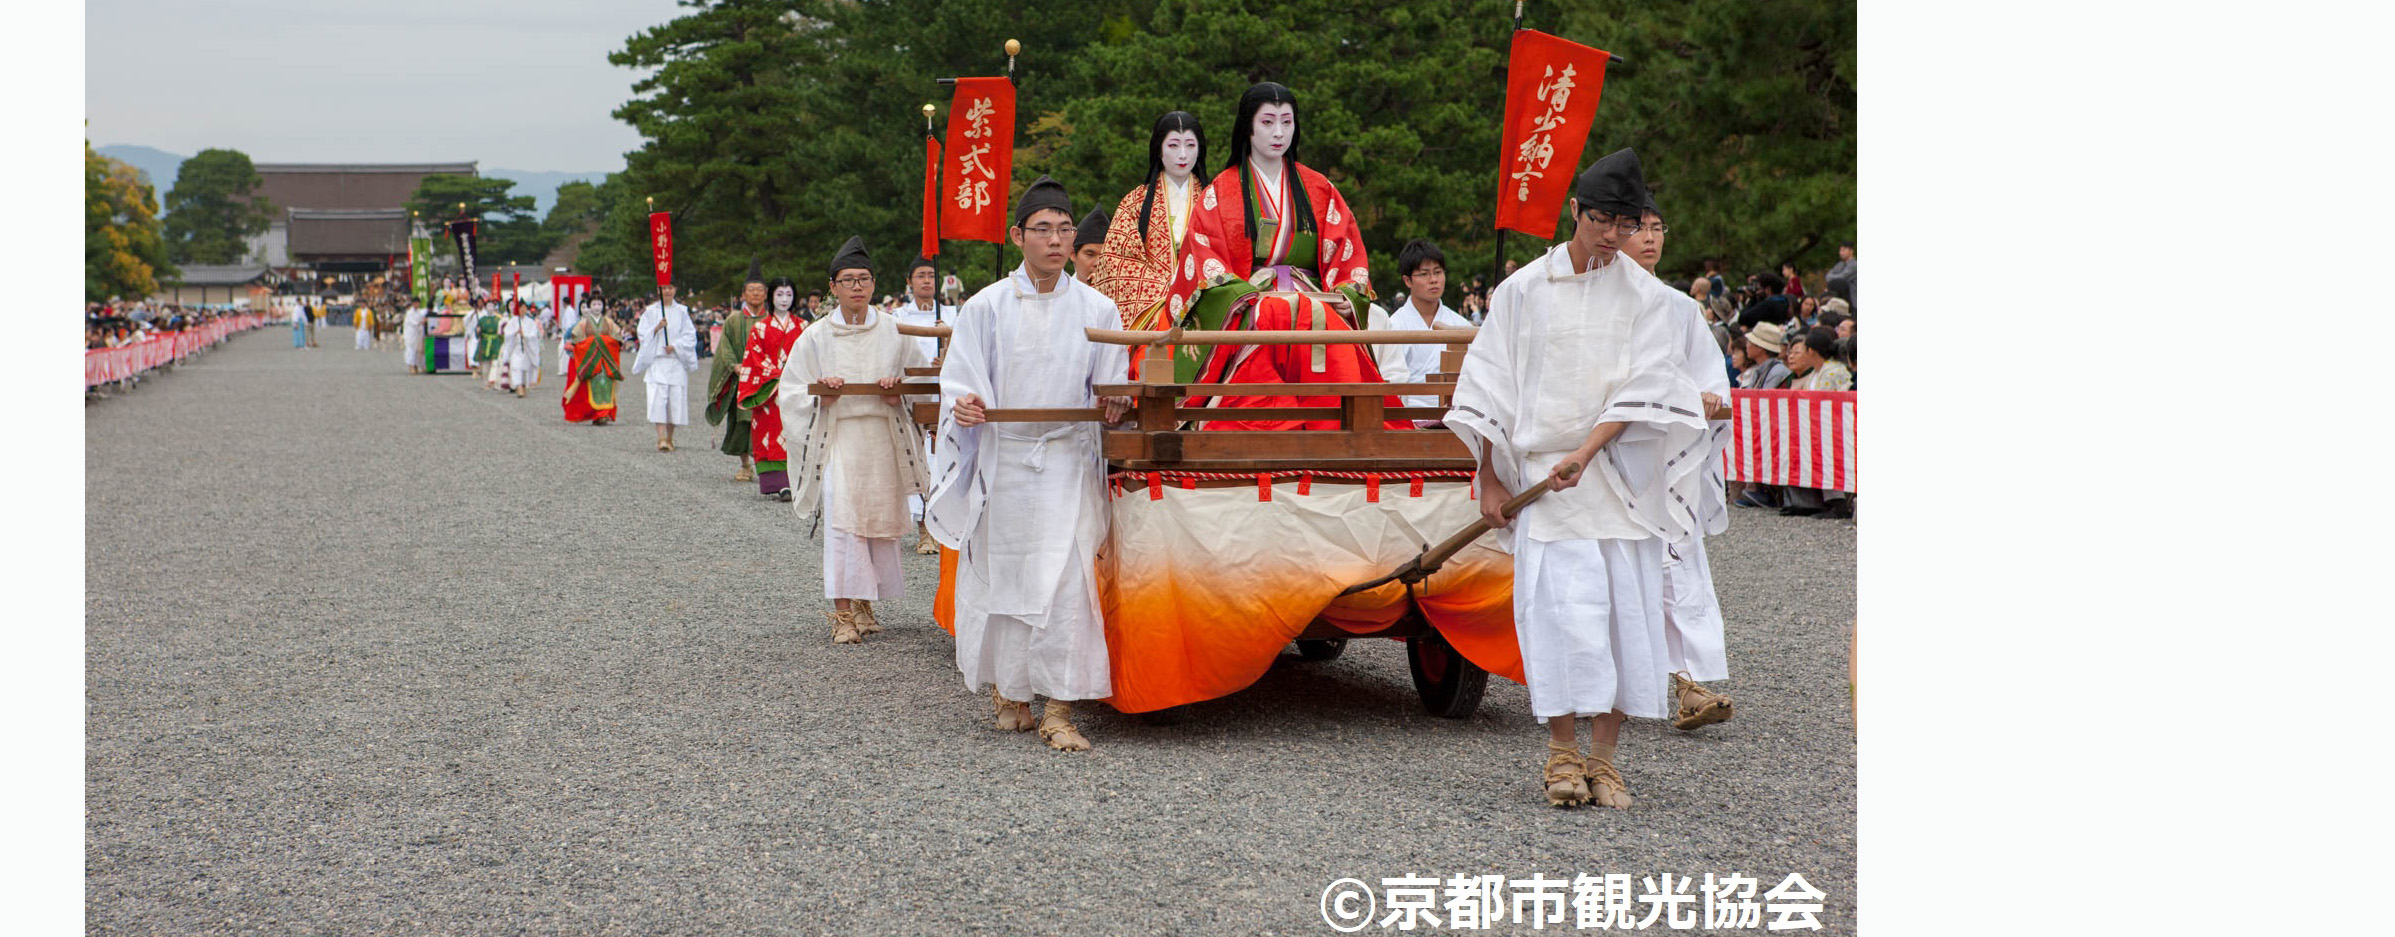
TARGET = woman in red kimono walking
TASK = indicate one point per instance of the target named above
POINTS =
(769, 342)
(596, 366)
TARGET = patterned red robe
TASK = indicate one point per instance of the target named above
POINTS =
(1218, 246)
(769, 341)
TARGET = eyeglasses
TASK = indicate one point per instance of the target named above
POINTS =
(1626, 228)
(853, 281)
(1050, 231)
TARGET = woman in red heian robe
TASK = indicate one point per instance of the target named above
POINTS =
(1251, 222)
(769, 343)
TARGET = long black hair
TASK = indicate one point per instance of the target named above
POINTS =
(1175, 120)
(1256, 96)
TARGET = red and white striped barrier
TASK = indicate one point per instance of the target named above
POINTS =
(105, 365)
(1792, 437)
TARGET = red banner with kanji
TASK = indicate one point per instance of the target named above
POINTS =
(931, 196)
(1551, 91)
(981, 147)
(661, 245)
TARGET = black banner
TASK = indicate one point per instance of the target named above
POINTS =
(462, 232)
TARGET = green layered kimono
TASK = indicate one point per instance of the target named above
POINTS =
(723, 383)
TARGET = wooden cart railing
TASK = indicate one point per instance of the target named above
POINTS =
(1164, 432)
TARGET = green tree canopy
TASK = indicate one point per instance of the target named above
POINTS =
(510, 233)
(123, 253)
(212, 212)
(777, 128)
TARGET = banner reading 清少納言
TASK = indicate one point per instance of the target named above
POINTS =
(1551, 91)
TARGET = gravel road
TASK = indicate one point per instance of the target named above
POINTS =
(373, 653)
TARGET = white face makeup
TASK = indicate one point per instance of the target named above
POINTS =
(1180, 155)
(1274, 128)
(783, 297)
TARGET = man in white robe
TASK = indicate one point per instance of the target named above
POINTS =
(859, 457)
(568, 315)
(1422, 267)
(519, 338)
(668, 353)
(1024, 504)
(412, 338)
(1579, 379)
(921, 308)
(1691, 611)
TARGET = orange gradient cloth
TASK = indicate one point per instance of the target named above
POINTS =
(1202, 588)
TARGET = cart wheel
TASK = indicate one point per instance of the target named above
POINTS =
(1449, 684)
(1328, 649)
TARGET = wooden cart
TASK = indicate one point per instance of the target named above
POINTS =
(1166, 448)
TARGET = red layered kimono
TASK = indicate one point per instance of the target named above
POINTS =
(769, 341)
(597, 366)
(1330, 257)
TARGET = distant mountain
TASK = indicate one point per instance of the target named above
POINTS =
(542, 185)
(161, 166)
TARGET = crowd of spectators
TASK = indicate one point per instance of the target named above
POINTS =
(115, 325)
(1776, 336)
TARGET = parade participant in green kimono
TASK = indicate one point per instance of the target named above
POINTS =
(488, 338)
(723, 377)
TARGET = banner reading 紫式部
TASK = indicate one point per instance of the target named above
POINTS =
(981, 140)
(1551, 92)
(661, 246)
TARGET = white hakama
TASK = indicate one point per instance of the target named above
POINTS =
(1061, 655)
(1024, 504)
(1691, 611)
(1589, 615)
(1692, 614)
(856, 566)
(668, 403)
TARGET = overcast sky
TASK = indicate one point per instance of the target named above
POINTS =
(516, 84)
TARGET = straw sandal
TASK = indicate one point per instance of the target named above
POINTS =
(745, 474)
(1056, 728)
(866, 624)
(1605, 785)
(844, 627)
(1013, 716)
(1567, 784)
(1697, 706)
(924, 545)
